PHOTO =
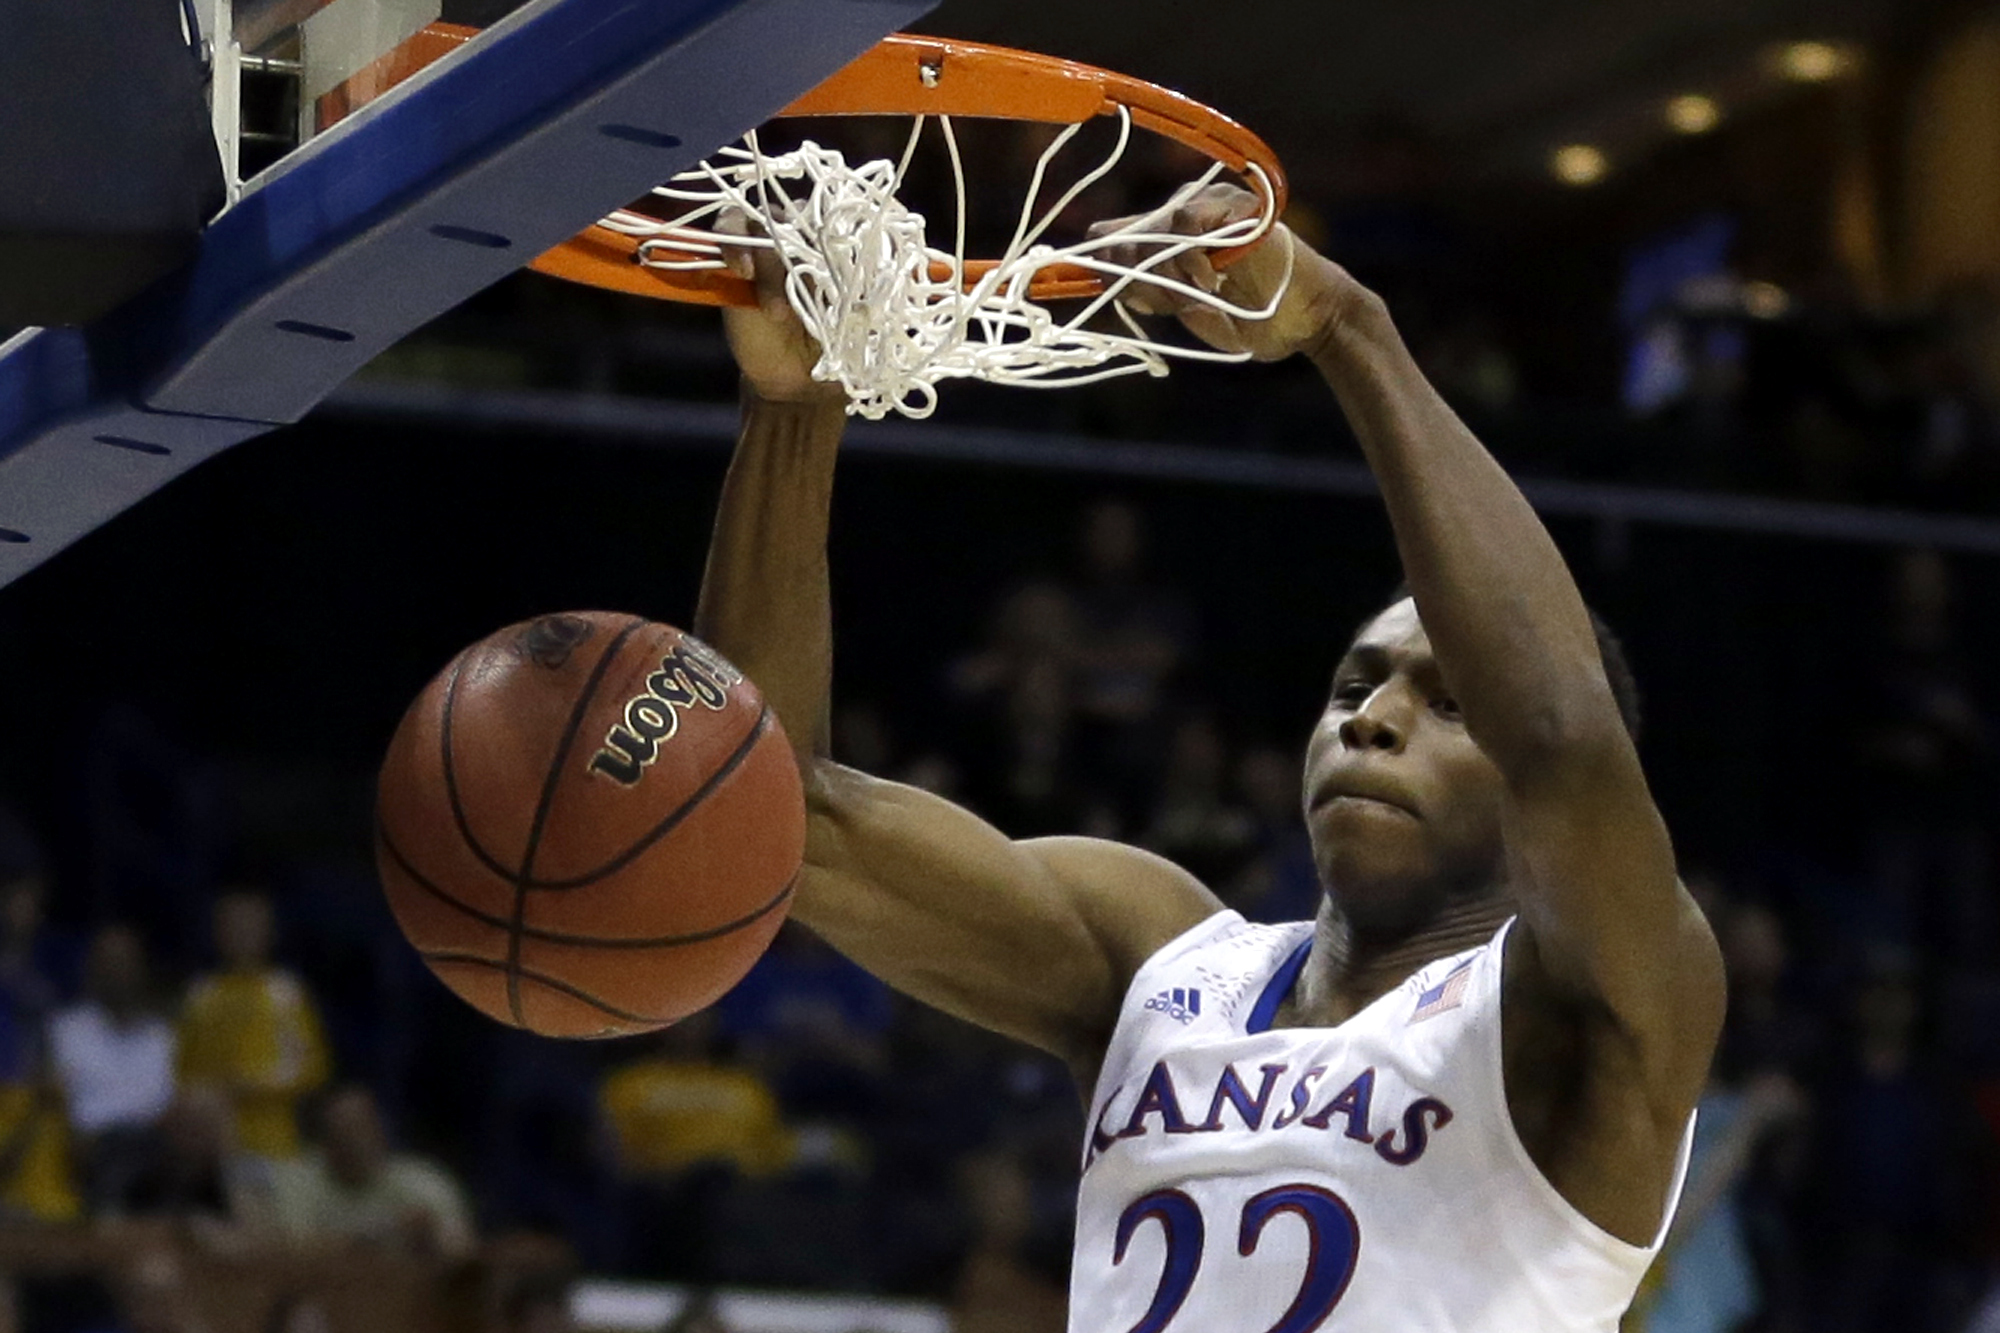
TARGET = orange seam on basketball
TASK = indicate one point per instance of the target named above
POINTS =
(707, 789)
(458, 815)
(542, 936)
(515, 971)
(550, 782)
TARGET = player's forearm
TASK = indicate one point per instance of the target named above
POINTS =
(1503, 614)
(764, 597)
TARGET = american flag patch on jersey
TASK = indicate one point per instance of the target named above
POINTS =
(1446, 995)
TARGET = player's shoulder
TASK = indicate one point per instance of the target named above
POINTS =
(1227, 937)
(1137, 901)
(1117, 864)
(1220, 979)
(1220, 966)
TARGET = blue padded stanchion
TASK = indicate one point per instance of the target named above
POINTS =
(553, 117)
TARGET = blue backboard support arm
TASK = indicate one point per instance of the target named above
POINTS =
(562, 112)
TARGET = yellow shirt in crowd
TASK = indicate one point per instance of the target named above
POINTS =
(257, 1036)
(672, 1114)
(36, 1138)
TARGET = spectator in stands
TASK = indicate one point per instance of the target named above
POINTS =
(35, 1174)
(252, 1030)
(949, 1097)
(193, 1174)
(1950, 450)
(1928, 742)
(1280, 883)
(1770, 1029)
(27, 981)
(1773, 1041)
(1706, 1279)
(354, 1189)
(687, 1123)
(1018, 692)
(1197, 823)
(1033, 624)
(1133, 639)
(999, 1288)
(1881, 1203)
(114, 1059)
(816, 1025)
(35, 1170)
(684, 1105)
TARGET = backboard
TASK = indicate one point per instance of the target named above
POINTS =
(357, 234)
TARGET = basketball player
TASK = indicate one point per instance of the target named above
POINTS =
(1457, 1102)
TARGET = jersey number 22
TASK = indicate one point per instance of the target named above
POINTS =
(1335, 1244)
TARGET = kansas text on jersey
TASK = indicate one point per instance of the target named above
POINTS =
(1365, 1177)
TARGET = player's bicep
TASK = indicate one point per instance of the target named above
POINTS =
(1037, 940)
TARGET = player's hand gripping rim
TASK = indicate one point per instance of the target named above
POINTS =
(771, 345)
(1308, 295)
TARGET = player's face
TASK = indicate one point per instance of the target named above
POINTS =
(1403, 807)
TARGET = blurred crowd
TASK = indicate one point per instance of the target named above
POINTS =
(214, 1110)
(285, 1079)
(1685, 356)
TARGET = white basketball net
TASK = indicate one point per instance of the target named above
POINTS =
(893, 314)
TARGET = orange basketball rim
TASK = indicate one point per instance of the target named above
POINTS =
(908, 76)
(926, 76)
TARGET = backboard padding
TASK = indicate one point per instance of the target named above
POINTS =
(561, 112)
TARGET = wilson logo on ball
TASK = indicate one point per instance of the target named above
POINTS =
(690, 674)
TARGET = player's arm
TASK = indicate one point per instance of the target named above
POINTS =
(1610, 931)
(1034, 939)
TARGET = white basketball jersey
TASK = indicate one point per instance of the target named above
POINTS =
(1364, 1178)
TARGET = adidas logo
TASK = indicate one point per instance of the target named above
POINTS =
(1183, 1006)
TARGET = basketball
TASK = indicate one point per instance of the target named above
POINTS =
(589, 825)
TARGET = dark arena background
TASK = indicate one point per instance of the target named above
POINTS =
(1720, 283)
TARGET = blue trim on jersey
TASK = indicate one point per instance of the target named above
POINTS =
(1276, 989)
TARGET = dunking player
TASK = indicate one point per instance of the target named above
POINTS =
(1457, 1102)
